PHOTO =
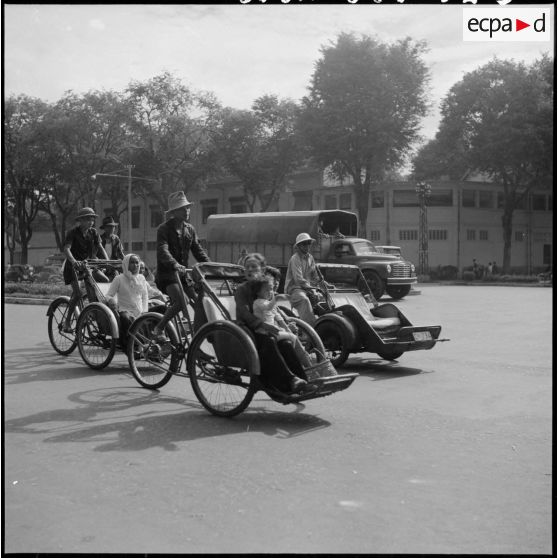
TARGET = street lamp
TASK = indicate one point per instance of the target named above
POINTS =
(129, 177)
(423, 190)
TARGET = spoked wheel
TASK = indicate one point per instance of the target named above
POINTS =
(151, 364)
(222, 362)
(63, 343)
(95, 340)
(335, 341)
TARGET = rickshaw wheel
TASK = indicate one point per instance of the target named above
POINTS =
(222, 362)
(62, 343)
(389, 354)
(335, 341)
(95, 341)
(150, 366)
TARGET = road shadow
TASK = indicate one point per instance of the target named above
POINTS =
(144, 427)
(378, 369)
(42, 363)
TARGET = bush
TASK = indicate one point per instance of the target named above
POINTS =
(468, 276)
(37, 289)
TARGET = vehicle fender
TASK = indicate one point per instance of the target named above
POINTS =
(380, 269)
(345, 325)
(110, 315)
(55, 302)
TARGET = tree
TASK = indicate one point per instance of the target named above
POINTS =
(83, 135)
(171, 126)
(498, 120)
(25, 166)
(364, 108)
(260, 147)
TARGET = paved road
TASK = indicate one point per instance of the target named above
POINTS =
(446, 451)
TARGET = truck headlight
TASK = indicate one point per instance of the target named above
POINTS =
(412, 268)
(388, 268)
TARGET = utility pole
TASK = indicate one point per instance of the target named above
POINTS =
(129, 167)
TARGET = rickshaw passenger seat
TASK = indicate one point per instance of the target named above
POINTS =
(213, 312)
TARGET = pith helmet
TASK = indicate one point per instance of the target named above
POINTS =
(109, 222)
(85, 212)
(303, 237)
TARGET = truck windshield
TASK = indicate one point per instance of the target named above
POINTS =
(364, 248)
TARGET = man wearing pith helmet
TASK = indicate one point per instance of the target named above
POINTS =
(176, 237)
(302, 275)
(82, 242)
(109, 238)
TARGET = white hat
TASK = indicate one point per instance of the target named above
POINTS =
(303, 237)
(177, 200)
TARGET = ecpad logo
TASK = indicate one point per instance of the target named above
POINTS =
(506, 24)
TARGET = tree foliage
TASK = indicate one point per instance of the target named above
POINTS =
(498, 120)
(260, 147)
(364, 109)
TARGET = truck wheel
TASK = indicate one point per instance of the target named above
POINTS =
(375, 283)
(398, 292)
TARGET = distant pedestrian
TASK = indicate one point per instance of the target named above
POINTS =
(489, 268)
(494, 268)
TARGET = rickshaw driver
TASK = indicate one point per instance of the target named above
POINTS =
(176, 237)
(302, 275)
(81, 242)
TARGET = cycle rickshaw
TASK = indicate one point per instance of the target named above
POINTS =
(349, 321)
(221, 357)
(95, 328)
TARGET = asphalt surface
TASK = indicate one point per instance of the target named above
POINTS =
(444, 451)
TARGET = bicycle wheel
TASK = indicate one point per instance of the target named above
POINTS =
(151, 366)
(95, 340)
(310, 339)
(63, 343)
(222, 362)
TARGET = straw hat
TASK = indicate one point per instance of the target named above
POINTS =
(177, 200)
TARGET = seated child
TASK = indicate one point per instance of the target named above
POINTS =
(265, 308)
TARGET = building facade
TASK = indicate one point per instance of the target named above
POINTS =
(464, 219)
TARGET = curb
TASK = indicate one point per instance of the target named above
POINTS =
(36, 301)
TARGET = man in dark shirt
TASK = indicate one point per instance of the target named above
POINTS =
(176, 237)
(110, 238)
(81, 242)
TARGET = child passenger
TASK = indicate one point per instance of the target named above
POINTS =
(265, 308)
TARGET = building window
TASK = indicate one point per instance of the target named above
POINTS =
(209, 207)
(538, 202)
(519, 236)
(405, 198)
(546, 254)
(152, 245)
(345, 201)
(238, 204)
(500, 200)
(468, 198)
(136, 216)
(483, 235)
(440, 198)
(410, 234)
(137, 246)
(330, 202)
(520, 201)
(375, 235)
(156, 215)
(377, 198)
(302, 201)
(437, 234)
(471, 234)
(485, 199)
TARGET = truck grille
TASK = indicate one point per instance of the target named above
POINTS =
(401, 270)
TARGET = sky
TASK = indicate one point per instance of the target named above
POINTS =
(239, 52)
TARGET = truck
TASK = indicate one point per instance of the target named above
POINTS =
(335, 231)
